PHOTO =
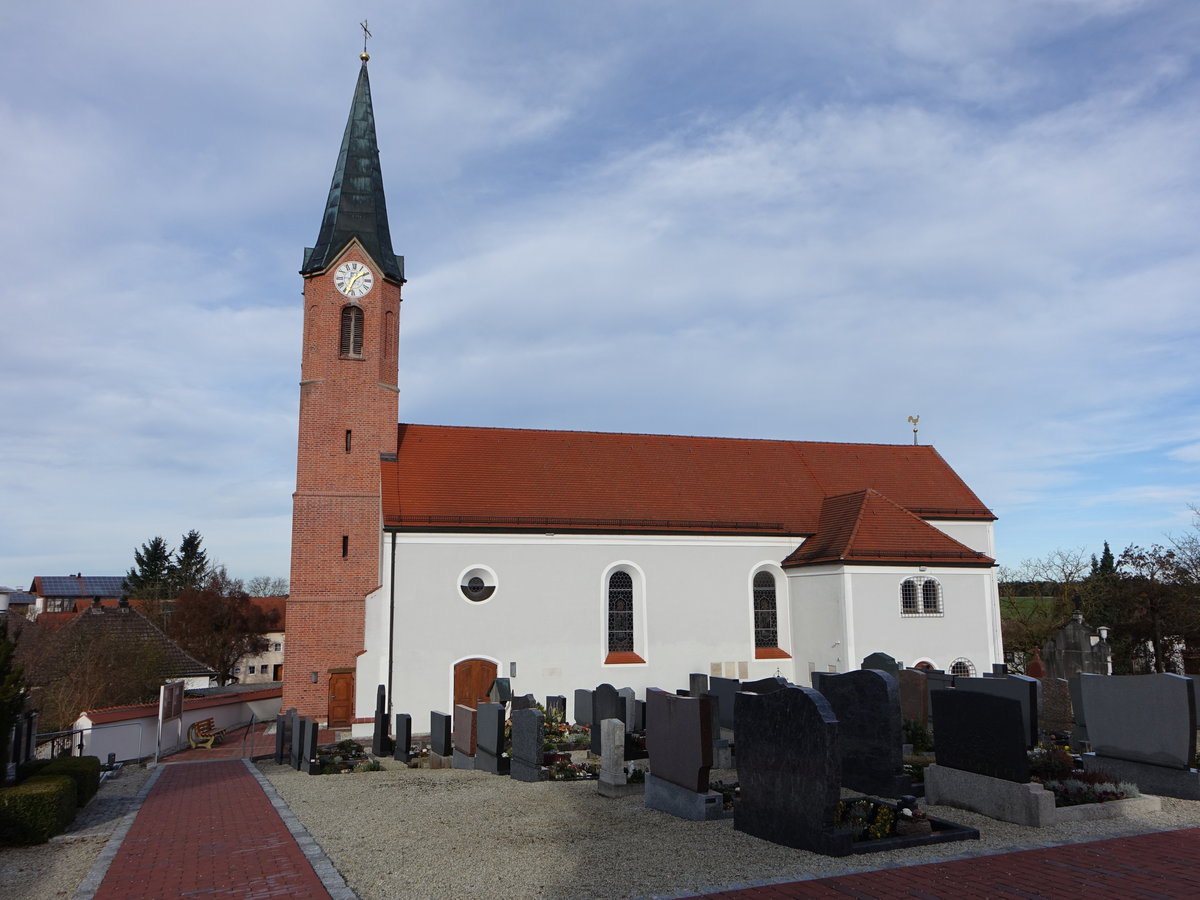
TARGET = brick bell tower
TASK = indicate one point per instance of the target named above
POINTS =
(348, 414)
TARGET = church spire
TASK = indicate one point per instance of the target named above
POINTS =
(356, 206)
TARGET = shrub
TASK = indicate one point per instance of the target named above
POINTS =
(36, 810)
(31, 767)
(918, 735)
(1050, 764)
(84, 770)
(1075, 791)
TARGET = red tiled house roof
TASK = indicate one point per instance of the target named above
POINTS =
(867, 527)
(508, 479)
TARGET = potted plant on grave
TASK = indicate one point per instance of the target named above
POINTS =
(1062, 774)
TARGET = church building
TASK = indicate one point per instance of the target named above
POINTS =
(433, 559)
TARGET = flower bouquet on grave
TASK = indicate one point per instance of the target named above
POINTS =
(867, 819)
(910, 820)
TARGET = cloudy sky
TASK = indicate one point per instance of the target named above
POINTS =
(794, 220)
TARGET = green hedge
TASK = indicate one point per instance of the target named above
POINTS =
(36, 810)
(31, 767)
(84, 770)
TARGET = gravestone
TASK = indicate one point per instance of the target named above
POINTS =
(440, 743)
(679, 740)
(308, 761)
(1079, 734)
(722, 750)
(867, 706)
(1143, 729)
(464, 737)
(630, 697)
(556, 707)
(637, 725)
(379, 734)
(283, 737)
(500, 691)
(981, 733)
(607, 703)
(1022, 688)
(789, 770)
(613, 780)
(490, 753)
(583, 707)
(697, 685)
(936, 680)
(1057, 717)
(882, 662)
(765, 685)
(525, 701)
(528, 736)
(402, 752)
(299, 724)
(725, 689)
(914, 696)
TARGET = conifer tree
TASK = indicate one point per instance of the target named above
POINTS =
(190, 566)
(150, 578)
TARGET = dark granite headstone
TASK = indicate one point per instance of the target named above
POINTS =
(525, 701)
(379, 735)
(283, 737)
(607, 703)
(308, 761)
(583, 707)
(936, 680)
(1019, 687)
(697, 684)
(638, 724)
(1057, 717)
(765, 685)
(679, 739)
(1141, 718)
(528, 736)
(1079, 734)
(556, 707)
(500, 691)
(867, 706)
(464, 737)
(439, 734)
(980, 733)
(725, 689)
(882, 662)
(914, 696)
(299, 725)
(402, 752)
(630, 697)
(789, 770)
(490, 753)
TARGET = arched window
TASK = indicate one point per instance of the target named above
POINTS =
(766, 626)
(352, 331)
(920, 595)
(962, 666)
(620, 612)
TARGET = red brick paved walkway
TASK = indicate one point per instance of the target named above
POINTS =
(1162, 865)
(209, 829)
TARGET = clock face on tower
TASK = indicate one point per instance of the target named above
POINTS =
(353, 279)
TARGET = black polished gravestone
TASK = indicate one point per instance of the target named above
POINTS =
(440, 743)
(697, 684)
(725, 689)
(528, 738)
(402, 751)
(283, 736)
(380, 739)
(980, 733)
(607, 703)
(883, 662)
(490, 753)
(525, 701)
(583, 707)
(296, 752)
(765, 685)
(556, 707)
(309, 763)
(867, 706)
(1018, 687)
(789, 770)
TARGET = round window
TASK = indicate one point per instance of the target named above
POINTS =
(477, 584)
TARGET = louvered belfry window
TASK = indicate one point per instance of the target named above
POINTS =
(352, 331)
(620, 613)
(766, 626)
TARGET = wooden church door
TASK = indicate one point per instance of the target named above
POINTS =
(472, 678)
(341, 699)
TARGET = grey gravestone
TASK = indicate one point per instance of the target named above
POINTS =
(526, 701)
(490, 753)
(1141, 718)
(679, 739)
(528, 736)
(981, 733)
(613, 780)
(697, 684)
(1057, 717)
(1018, 687)
(789, 770)
(882, 662)
(379, 735)
(765, 685)
(606, 704)
(403, 749)
(630, 698)
(914, 696)
(936, 680)
(867, 706)
(583, 707)
(556, 707)
(464, 737)
(439, 734)
(1079, 734)
(283, 736)
(725, 689)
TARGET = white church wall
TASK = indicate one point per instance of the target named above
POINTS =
(979, 536)
(548, 613)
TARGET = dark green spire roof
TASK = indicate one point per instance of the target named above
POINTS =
(356, 207)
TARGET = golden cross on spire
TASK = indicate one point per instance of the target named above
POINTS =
(364, 56)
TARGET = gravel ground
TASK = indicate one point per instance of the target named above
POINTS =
(404, 833)
(54, 870)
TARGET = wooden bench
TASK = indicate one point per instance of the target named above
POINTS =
(204, 734)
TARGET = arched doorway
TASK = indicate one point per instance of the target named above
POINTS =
(472, 678)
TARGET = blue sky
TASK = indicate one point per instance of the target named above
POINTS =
(789, 220)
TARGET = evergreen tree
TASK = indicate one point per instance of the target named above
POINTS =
(190, 566)
(1108, 565)
(12, 692)
(150, 578)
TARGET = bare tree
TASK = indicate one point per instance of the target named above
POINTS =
(218, 624)
(266, 586)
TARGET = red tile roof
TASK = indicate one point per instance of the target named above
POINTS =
(867, 527)
(277, 605)
(456, 478)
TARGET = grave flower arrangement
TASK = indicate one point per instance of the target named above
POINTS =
(1061, 773)
(868, 819)
(345, 756)
(560, 735)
